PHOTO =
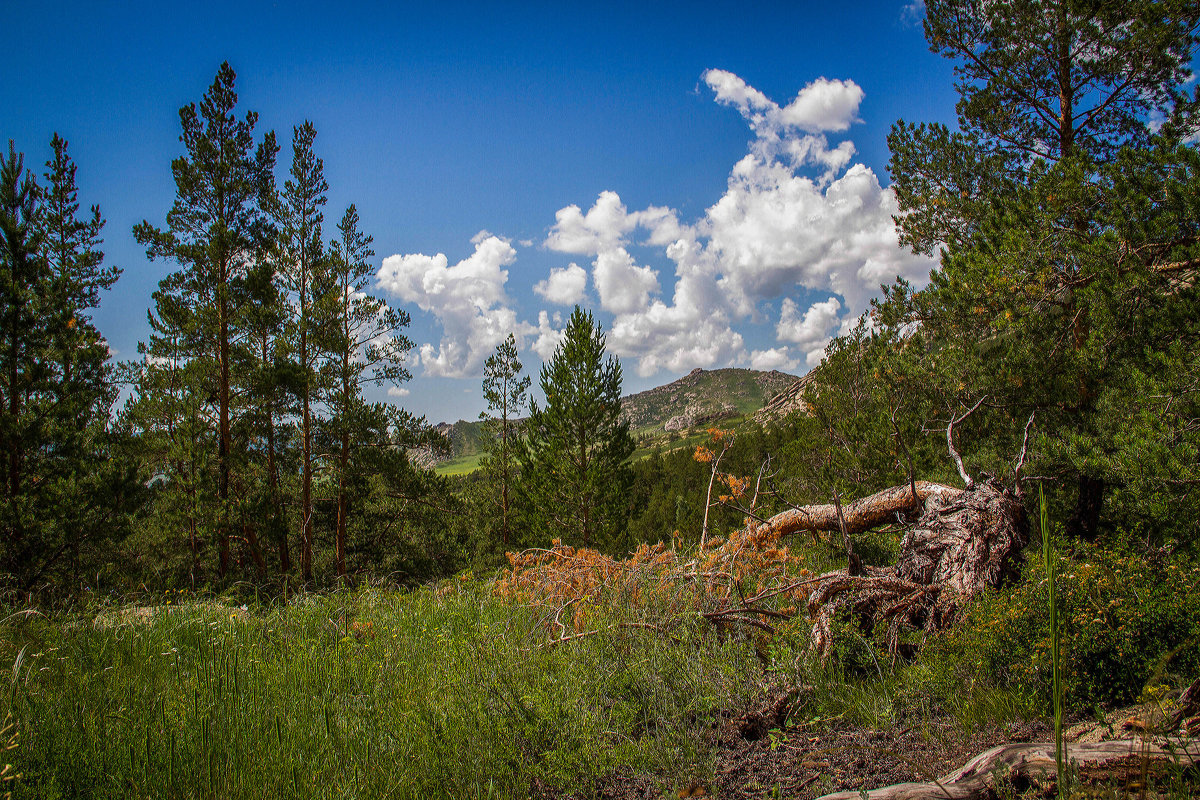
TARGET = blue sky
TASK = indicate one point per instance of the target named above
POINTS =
(710, 179)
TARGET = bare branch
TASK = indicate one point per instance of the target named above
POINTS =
(1024, 450)
(958, 462)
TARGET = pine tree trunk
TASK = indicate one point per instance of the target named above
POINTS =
(306, 543)
(306, 537)
(285, 557)
(256, 555)
(343, 508)
(223, 440)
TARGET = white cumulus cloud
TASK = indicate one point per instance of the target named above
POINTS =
(811, 332)
(773, 358)
(602, 227)
(623, 286)
(468, 299)
(796, 215)
(565, 286)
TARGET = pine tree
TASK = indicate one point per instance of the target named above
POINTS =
(303, 271)
(213, 231)
(61, 486)
(573, 462)
(1047, 296)
(366, 347)
(506, 392)
(274, 384)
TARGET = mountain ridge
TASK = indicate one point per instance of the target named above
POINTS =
(698, 398)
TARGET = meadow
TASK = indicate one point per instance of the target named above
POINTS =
(459, 689)
(438, 692)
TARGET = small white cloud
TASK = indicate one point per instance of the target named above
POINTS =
(548, 337)
(398, 391)
(565, 286)
(812, 332)
(913, 12)
(816, 326)
(823, 105)
(774, 358)
(603, 227)
(622, 285)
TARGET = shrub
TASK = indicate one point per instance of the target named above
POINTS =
(1126, 619)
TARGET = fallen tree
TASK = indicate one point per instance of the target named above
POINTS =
(1022, 765)
(965, 540)
(958, 542)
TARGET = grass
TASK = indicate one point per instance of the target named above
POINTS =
(461, 465)
(432, 693)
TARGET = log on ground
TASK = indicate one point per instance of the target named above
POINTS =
(1022, 764)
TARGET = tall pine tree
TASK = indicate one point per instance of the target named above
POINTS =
(213, 231)
(61, 486)
(573, 461)
(303, 271)
(506, 391)
(367, 347)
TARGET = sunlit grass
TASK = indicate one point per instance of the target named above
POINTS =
(433, 693)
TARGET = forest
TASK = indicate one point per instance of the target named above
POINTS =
(228, 572)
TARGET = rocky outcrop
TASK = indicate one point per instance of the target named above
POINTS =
(696, 415)
(789, 401)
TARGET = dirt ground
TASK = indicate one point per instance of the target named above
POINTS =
(773, 752)
(759, 758)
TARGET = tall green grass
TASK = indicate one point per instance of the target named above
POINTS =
(1050, 557)
(356, 695)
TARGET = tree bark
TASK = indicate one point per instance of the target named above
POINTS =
(863, 514)
(965, 540)
(1020, 764)
(223, 437)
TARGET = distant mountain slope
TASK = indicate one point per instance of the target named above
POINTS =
(700, 398)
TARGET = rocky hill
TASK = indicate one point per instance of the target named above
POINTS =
(700, 398)
(790, 399)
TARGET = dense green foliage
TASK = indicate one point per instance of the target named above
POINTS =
(248, 412)
(1065, 205)
(66, 486)
(1129, 622)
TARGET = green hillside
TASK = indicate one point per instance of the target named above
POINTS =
(666, 414)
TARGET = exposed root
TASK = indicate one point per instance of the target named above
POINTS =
(963, 543)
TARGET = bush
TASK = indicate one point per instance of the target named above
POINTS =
(1127, 619)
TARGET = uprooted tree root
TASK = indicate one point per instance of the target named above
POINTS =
(963, 540)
